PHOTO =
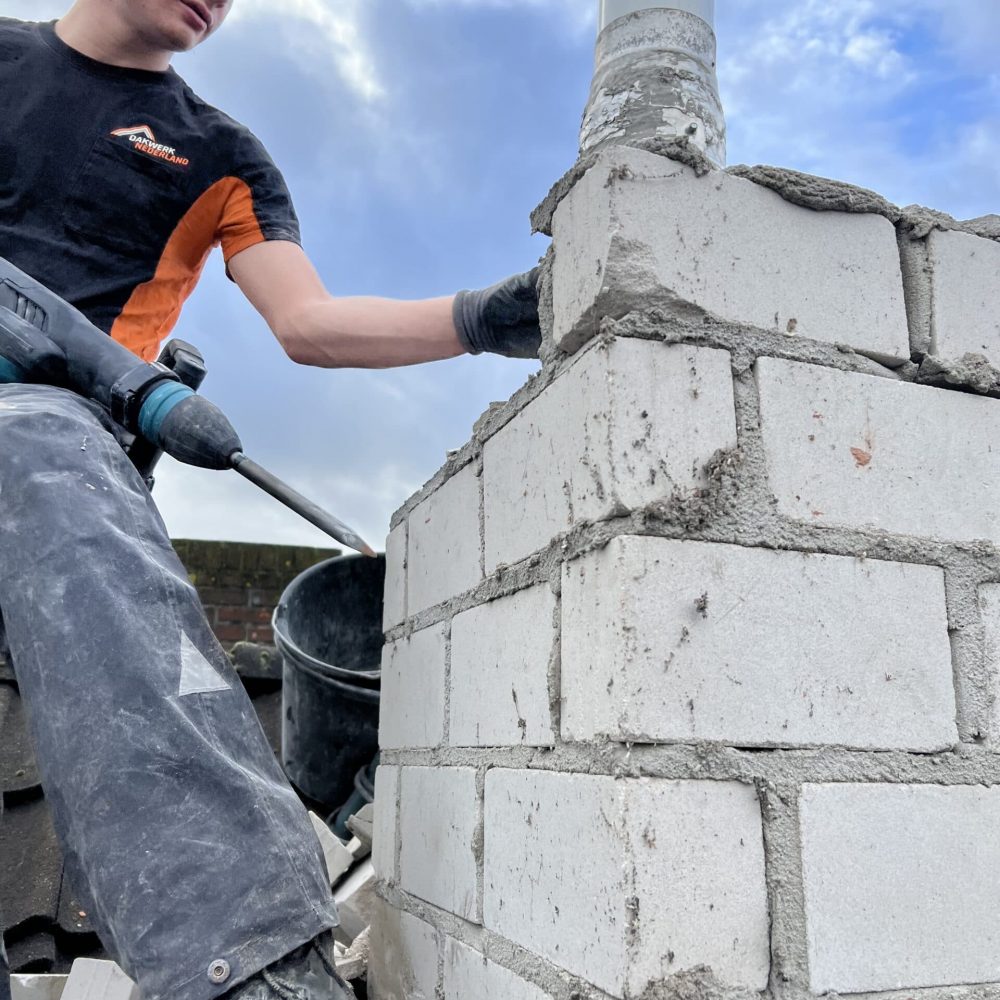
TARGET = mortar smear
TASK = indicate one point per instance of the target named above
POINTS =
(821, 194)
(818, 193)
(970, 372)
(679, 148)
(697, 983)
(919, 222)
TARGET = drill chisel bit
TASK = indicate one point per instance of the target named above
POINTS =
(305, 508)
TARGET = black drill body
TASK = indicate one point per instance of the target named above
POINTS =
(45, 340)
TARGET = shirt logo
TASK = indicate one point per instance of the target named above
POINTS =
(143, 141)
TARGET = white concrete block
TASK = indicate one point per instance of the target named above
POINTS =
(337, 857)
(860, 451)
(443, 552)
(626, 882)
(394, 607)
(358, 848)
(37, 987)
(635, 233)
(965, 289)
(386, 822)
(352, 963)
(901, 884)
(500, 655)
(440, 853)
(674, 641)
(404, 956)
(355, 899)
(90, 979)
(468, 975)
(411, 713)
(631, 422)
(361, 823)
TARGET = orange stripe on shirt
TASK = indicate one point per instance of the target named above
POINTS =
(222, 214)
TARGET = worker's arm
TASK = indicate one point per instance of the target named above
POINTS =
(317, 329)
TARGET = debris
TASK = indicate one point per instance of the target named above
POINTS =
(696, 983)
(361, 823)
(37, 987)
(90, 979)
(355, 898)
(352, 963)
(969, 373)
(358, 848)
(338, 858)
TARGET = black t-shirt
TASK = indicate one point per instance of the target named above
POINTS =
(116, 183)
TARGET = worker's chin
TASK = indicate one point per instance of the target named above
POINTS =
(185, 45)
(181, 39)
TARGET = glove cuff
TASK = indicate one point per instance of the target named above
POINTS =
(463, 314)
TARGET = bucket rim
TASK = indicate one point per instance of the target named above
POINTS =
(293, 654)
(291, 649)
(371, 696)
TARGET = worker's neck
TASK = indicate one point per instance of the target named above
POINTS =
(109, 41)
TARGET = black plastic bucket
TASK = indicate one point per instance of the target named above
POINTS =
(328, 627)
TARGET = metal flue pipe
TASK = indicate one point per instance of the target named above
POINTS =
(655, 78)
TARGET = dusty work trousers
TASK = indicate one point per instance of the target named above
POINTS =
(4, 967)
(175, 819)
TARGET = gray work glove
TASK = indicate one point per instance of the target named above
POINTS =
(502, 319)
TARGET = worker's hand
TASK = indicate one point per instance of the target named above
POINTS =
(502, 319)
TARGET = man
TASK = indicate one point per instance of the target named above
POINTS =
(203, 873)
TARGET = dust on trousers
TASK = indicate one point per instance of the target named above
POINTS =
(198, 861)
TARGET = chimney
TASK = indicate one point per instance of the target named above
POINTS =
(655, 78)
(692, 665)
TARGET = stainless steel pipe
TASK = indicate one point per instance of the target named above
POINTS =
(611, 10)
(655, 78)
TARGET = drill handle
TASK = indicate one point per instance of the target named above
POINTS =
(185, 361)
(26, 354)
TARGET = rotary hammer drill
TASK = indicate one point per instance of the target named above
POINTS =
(45, 340)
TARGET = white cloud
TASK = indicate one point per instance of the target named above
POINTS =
(847, 90)
(329, 32)
(323, 29)
(874, 51)
(823, 52)
(229, 508)
(581, 14)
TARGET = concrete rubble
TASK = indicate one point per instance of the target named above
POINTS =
(355, 897)
(338, 858)
(351, 877)
(89, 979)
(353, 881)
(38, 987)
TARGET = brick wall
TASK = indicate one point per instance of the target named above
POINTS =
(240, 583)
(691, 677)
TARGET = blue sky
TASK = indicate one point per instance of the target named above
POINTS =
(416, 137)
